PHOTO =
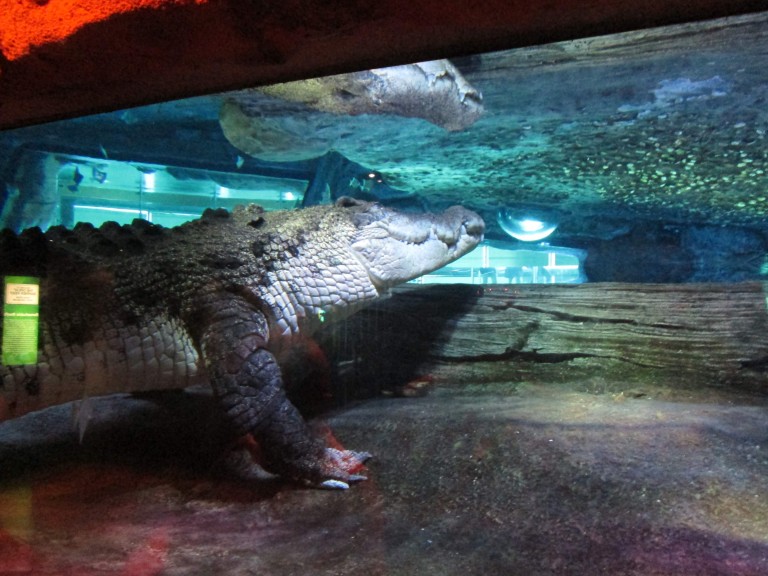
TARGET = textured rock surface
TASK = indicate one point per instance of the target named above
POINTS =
(525, 477)
(518, 460)
(619, 338)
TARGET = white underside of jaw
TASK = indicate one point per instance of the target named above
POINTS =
(390, 260)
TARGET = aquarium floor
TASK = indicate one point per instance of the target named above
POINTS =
(535, 480)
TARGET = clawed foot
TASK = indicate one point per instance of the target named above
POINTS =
(341, 468)
(335, 469)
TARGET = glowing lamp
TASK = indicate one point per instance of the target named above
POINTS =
(524, 227)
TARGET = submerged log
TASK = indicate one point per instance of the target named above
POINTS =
(604, 337)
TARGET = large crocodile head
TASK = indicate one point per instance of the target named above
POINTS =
(334, 258)
(395, 247)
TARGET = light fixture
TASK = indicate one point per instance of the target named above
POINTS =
(148, 181)
(526, 227)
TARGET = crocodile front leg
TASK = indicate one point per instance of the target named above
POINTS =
(248, 383)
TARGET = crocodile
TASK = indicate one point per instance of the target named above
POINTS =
(141, 307)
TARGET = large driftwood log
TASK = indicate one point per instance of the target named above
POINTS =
(600, 337)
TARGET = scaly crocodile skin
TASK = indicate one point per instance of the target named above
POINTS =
(141, 307)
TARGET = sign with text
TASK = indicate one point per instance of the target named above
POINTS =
(21, 319)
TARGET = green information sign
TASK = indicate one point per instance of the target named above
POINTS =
(21, 317)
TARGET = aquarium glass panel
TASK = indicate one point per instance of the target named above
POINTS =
(585, 392)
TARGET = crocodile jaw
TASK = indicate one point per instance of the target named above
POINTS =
(395, 247)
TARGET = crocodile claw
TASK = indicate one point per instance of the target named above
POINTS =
(341, 468)
(334, 485)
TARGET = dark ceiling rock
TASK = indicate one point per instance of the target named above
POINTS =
(59, 60)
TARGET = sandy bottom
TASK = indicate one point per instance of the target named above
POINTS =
(540, 480)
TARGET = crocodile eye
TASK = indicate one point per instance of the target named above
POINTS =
(363, 219)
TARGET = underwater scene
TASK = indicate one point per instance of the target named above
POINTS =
(504, 313)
